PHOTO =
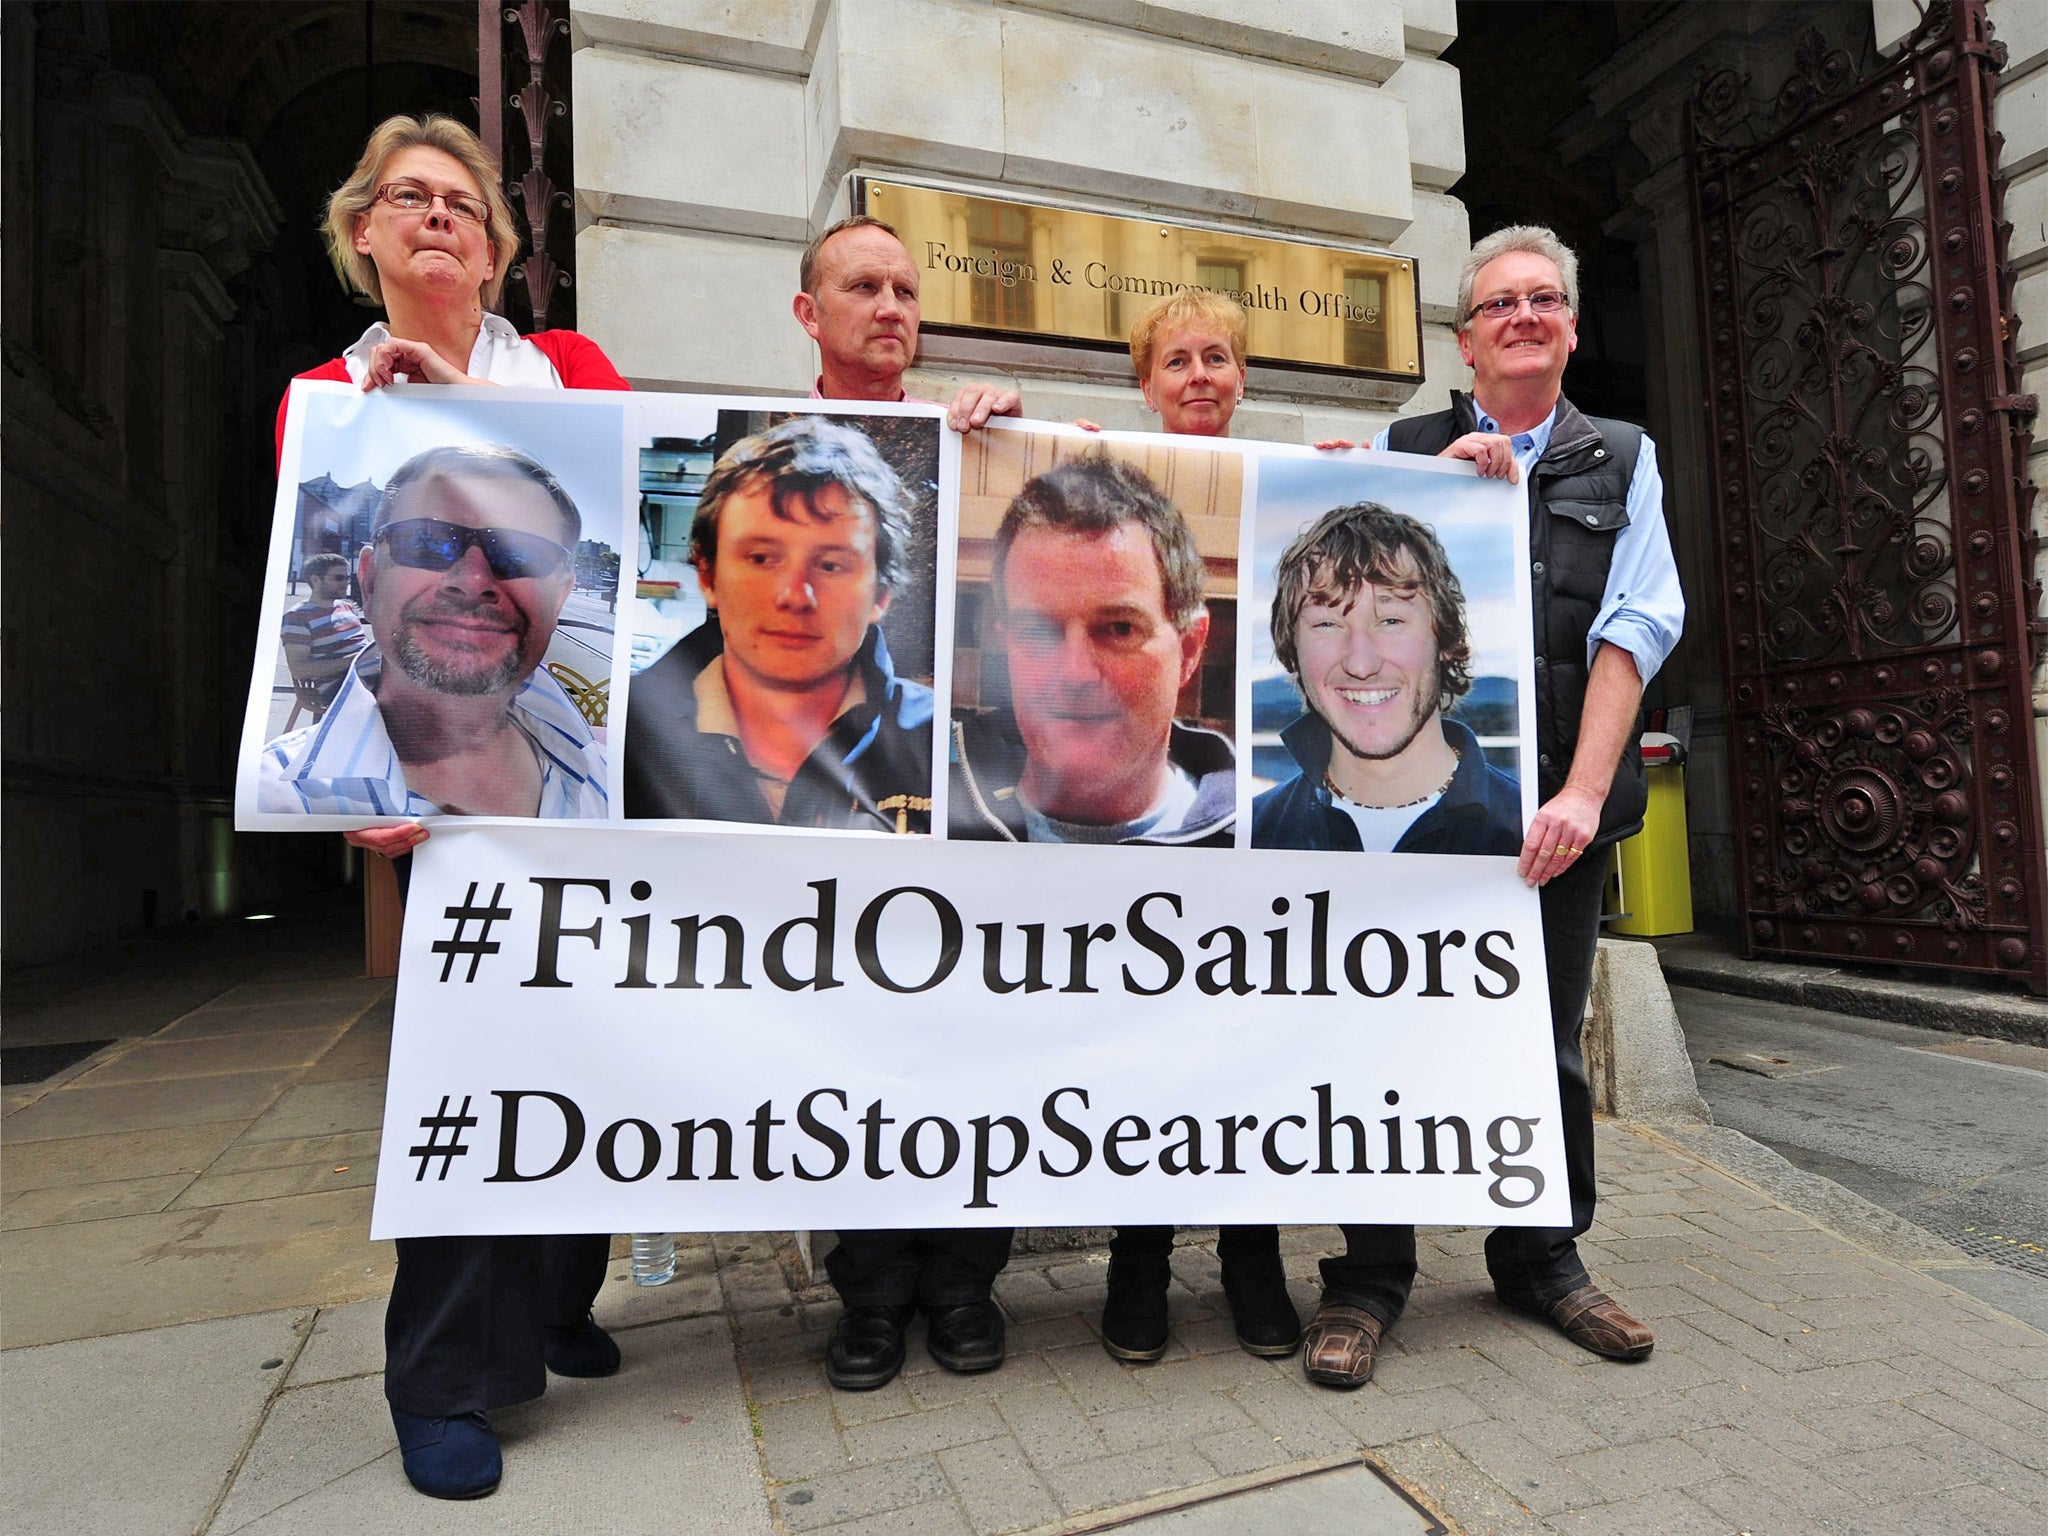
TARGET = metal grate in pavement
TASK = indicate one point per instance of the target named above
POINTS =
(38, 1063)
(1354, 1498)
(2012, 1250)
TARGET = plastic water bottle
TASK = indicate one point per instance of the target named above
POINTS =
(654, 1258)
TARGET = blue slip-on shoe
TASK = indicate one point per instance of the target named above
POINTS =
(454, 1458)
(585, 1350)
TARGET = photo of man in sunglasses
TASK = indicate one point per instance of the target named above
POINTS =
(449, 711)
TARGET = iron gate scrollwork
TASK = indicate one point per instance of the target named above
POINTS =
(523, 116)
(1866, 455)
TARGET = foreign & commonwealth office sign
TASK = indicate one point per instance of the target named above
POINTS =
(997, 267)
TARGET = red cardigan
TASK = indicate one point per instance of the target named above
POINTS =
(579, 360)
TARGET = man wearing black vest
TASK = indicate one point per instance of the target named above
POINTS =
(1607, 611)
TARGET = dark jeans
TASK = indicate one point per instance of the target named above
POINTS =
(463, 1331)
(892, 1267)
(1377, 1267)
(1235, 1246)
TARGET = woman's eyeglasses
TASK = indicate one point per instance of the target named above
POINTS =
(1544, 301)
(429, 544)
(411, 197)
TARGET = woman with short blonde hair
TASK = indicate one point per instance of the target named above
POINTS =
(354, 199)
(1191, 307)
(422, 227)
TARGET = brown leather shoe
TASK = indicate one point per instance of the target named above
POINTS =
(1593, 1320)
(1341, 1346)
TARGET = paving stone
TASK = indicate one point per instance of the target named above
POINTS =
(1379, 1418)
(941, 1389)
(1521, 1467)
(1108, 1480)
(1174, 1380)
(1648, 1466)
(1978, 1510)
(917, 1520)
(1049, 1333)
(1990, 1417)
(1559, 1430)
(92, 1202)
(1417, 1370)
(1760, 1479)
(274, 1183)
(152, 1060)
(1895, 1471)
(1663, 1513)
(78, 1111)
(800, 1438)
(913, 1434)
(888, 1489)
(321, 1109)
(1245, 1450)
(1097, 1383)
(1745, 1504)
(345, 1342)
(76, 1160)
(786, 1381)
(1186, 1417)
(892, 1401)
(1050, 1426)
(1027, 1295)
(1473, 1501)
(997, 1488)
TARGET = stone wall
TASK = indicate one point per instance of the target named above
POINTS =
(712, 139)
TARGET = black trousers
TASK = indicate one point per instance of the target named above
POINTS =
(463, 1331)
(893, 1267)
(1234, 1245)
(1377, 1268)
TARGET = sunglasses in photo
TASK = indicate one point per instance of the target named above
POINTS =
(429, 544)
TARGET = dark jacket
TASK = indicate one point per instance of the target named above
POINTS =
(988, 763)
(873, 770)
(1578, 504)
(1480, 813)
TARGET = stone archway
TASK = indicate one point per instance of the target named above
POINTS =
(164, 166)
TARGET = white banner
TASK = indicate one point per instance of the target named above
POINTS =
(838, 822)
(604, 1031)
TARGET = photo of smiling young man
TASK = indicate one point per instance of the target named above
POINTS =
(1368, 619)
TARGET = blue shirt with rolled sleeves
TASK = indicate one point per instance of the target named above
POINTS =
(1642, 610)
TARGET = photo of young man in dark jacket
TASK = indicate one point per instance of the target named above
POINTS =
(1369, 619)
(783, 707)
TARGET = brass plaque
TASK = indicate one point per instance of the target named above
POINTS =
(999, 268)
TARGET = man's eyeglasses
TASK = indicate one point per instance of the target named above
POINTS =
(411, 197)
(429, 544)
(1544, 301)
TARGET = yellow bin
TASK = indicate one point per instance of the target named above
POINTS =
(1656, 876)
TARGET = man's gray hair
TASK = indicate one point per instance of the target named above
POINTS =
(478, 461)
(799, 458)
(1537, 240)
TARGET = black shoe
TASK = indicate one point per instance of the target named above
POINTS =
(585, 1350)
(1267, 1323)
(866, 1350)
(1134, 1311)
(452, 1458)
(965, 1338)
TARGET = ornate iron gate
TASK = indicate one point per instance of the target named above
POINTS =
(1866, 454)
(523, 115)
